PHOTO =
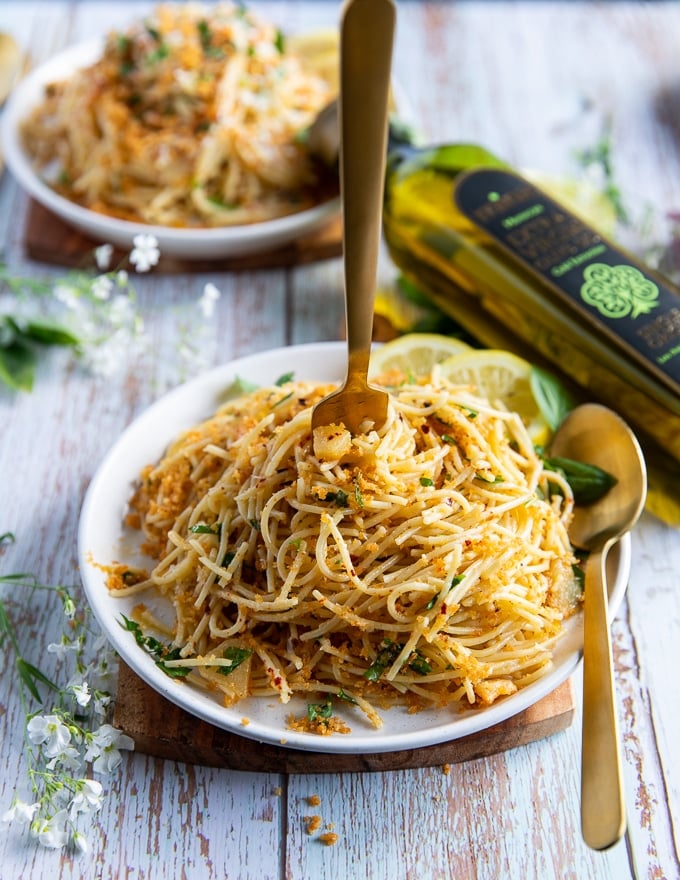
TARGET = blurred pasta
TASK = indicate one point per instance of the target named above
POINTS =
(194, 117)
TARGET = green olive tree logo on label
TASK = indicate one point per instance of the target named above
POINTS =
(618, 291)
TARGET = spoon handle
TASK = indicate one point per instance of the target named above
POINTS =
(365, 60)
(603, 816)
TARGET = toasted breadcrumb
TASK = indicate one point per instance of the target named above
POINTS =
(312, 824)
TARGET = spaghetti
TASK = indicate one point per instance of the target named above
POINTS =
(426, 564)
(193, 117)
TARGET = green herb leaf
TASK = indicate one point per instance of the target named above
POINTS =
(29, 674)
(552, 398)
(388, 653)
(17, 365)
(419, 663)
(284, 379)
(237, 657)
(320, 711)
(205, 529)
(426, 481)
(156, 649)
(345, 697)
(280, 42)
(455, 580)
(339, 498)
(588, 482)
(44, 332)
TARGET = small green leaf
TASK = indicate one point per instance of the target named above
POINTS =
(388, 653)
(320, 711)
(205, 529)
(44, 331)
(552, 398)
(17, 365)
(339, 498)
(588, 481)
(284, 379)
(237, 657)
(29, 674)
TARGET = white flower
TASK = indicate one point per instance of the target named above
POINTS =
(69, 759)
(122, 278)
(208, 299)
(21, 812)
(145, 252)
(80, 842)
(82, 693)
(121, 309)
(101, 287)
(88, 798)
(101, 704)
(52, 832)
(50, 732)
(102, 256)
(67, 294)
(104, 748)
(63, 647)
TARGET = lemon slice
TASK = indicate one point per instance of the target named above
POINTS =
(319, 52)
(415, 354)
(499, 376)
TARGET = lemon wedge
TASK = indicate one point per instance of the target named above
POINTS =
(499, 376)
(319, 52)
(414, 354)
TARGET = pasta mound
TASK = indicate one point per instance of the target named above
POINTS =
(428, 564)
(191, 118)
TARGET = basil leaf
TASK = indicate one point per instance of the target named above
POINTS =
(17, 365)
(552, 398)
(588, 481)
(43, 331)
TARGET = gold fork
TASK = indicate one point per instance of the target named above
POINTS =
(366, 37)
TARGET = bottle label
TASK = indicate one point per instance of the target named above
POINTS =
(629, 305)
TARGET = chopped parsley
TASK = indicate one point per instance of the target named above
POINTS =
(426, 481)
(317, 712)
(237, 657)
(339, 498)
(388, 653)
(159, 651)
(205, 529)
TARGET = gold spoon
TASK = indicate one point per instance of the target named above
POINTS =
(366, 37)
(596, 435)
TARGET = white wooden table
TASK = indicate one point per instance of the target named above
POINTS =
(531, 81)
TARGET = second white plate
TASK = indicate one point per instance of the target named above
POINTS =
(196, 244)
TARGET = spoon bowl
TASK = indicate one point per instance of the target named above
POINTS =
(596, 435)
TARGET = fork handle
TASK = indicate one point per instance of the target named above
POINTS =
(366, 38)
(603, 816)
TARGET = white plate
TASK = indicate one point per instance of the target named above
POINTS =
(102, 541)
(185, 243)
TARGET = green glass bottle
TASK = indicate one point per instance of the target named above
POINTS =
(519, 270)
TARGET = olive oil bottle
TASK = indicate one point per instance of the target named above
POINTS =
(518, 270)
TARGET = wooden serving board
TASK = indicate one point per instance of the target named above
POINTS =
(161, 729)
(49, 239)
